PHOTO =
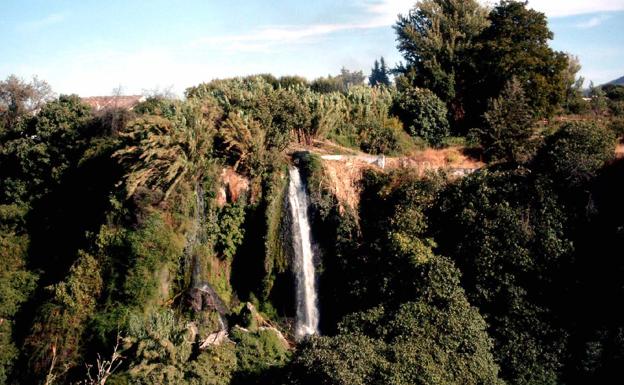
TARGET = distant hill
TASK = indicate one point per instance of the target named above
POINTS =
(618, 81)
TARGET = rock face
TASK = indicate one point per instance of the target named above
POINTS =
(255, 321)
(344, 172)
(232, 186)
(205, 298)
(214, 339)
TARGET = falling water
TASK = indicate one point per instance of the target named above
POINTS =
(198, 236)
(307, 311)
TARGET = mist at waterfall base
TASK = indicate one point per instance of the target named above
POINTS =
(307, 310)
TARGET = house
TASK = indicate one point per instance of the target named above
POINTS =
(99, 103)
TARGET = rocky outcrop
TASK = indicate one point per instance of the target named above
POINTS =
(233, 185)
(205, 298)
(214, 339)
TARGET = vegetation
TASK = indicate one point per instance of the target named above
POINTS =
(147, 238)
(508, 127)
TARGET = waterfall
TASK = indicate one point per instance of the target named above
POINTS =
(197, 235)
(307, 311)
(208, 297)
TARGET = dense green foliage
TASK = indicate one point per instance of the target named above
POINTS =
(424, 114)
(508, 127)
(379, 74)
(436, 39)
(516, 45)
(147, 238)
(465, 54)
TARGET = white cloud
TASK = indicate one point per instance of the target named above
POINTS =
(561, 8)
(377, 13)
(593, 22)
(36, 25)
(385, 12)
(264, 38)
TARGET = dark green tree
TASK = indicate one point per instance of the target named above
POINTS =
(507, 236)
(436, 39)
(437, 338)
(36, 152)
(615, 92)
(379, 74)
(515, 44)
(508, 126)
(423, 114)
(575, 153)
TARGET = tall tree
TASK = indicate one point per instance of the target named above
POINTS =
(379, 74)
(598, 100)
(436, 38)
(508, 126)
(350, 78)
(19, 98)
(573, 101)
(515, 44)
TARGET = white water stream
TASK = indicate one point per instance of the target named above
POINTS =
(307, 310)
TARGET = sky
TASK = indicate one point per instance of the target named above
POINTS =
(91, 47)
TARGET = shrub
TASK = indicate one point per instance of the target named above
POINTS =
(259, 350)
(423, 114)
(576, 152)
(617, 127)
(384, 138)
(55, 342)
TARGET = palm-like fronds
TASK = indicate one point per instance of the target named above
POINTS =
(162, 152)
(244, 137)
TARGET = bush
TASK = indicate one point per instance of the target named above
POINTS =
(259, 350)
(578, 150)
(436, 339)
(388, 138)
(616, 107)
(423, 114)
(617, 127)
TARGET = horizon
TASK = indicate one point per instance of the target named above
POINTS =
(88, 49)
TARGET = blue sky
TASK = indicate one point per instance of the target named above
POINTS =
(90, 47)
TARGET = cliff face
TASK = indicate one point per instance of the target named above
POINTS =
(232, 186)
(344, 172)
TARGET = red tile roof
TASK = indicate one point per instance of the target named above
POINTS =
(103, 102)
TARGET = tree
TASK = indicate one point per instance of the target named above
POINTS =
(17, 282)
(36, 152)
(162, 152)
(19, 99)
(290, 116)
(350, 78)
(436, 39)
(244, 140)
(598, 100)
(506, 234)
(515, 44)
(379, 74)
(292, 81)
(339, 83)
(508, 126)
(573, 101)
(423, 114)
(576, 152)
(437, 338)
(55, 342)
(615, 92)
